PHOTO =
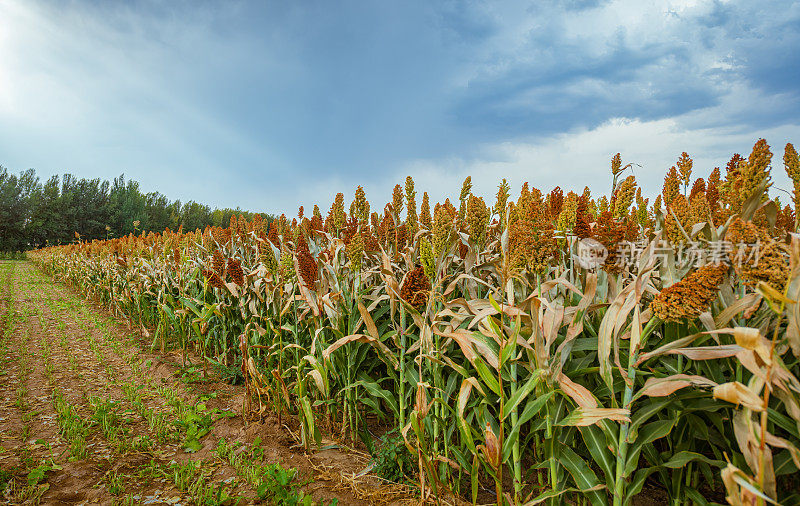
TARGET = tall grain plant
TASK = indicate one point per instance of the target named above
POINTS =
(550, 348)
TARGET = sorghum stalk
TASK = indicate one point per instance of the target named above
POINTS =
(402, 385)
(622, 454)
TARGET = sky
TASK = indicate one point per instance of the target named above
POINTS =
(272, 105)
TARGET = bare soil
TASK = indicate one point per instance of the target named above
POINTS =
(54, 341)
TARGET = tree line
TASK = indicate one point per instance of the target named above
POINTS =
(35, 214)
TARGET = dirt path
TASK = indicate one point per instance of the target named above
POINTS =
(88, 416)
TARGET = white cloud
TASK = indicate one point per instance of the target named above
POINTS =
(570, 160)
(118, 84)
(98, 90)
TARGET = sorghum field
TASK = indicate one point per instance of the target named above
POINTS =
(545, 348)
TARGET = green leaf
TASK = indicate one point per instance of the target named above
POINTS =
(783, 463)
(582, 474)
(520, 394)
(533, 406)
(376, 391)
(695, 496)
(680, 459)
(636, 484)
(486, 375)
(549, 494)
(653, 431)
(595, 442)
(645, 412)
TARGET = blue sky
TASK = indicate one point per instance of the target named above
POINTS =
(271, 105)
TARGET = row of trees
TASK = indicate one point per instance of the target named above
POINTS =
(34, 214)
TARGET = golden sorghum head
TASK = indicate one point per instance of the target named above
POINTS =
(425, 217)
(568, 216)
(316, 217)
(744, 232)
(218, 234)
(502, 201)
(213, 279)
(756, 256)
(531, 206)
(466, 191)
(624, 197)
(386, 230)
(397, 200)
(524, 195)
(218, 261)
(610, 233)
(642, 211)
(555, 202)
(582, 228)
(712, 196)
(339, 216)
(349, 229)
(699, 210)
(360, 208)
(785, 220)
(272, 236)
(691, 296)
(443, 217)
(773, 266)
(713, 178)
(283, 225)
(657, 204)
(616, 164)
(631, 227)
(756, 170)
(640, 201)
(267, 256)
(316, 224)
(402, 235)
(416, 287)
(426, 257)
(286, 265)
(235, 270)
(792, 164)
(306, 262)
(680, 209)
(370, 240)
(450, 207)
(699, 186)
(672, 186)
(477, 219)
(685, 168)
(761, 156)
(466, 188)
(411, 207)
(602, 205)
(233, 224)
(531, 247)
(355, 252)
(730, 186)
